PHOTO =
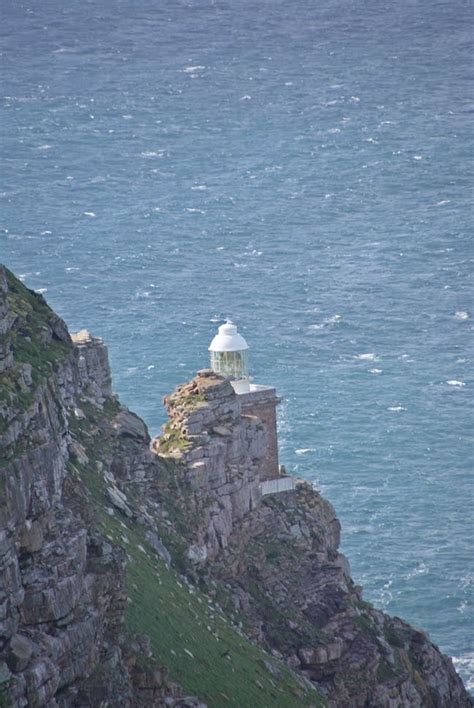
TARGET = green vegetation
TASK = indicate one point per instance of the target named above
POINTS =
(393, 637)
(111, 408)
(189, 633)
(367, 625)
(197, 642)
(31, 343)
(172, 440)
(192, 401)
(5, 684)
(384, 671)
(29, 338)
(174, 534)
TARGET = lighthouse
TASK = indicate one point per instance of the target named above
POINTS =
(228, 352)
(229, 357)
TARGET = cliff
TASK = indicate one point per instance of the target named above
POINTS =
(62, 595)
(133, 574)
(274, 563)
(84, 572)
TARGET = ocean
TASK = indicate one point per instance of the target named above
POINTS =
(305, 169)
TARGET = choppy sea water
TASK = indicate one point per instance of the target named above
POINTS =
(305, 169)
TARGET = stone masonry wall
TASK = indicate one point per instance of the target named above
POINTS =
(262, 403)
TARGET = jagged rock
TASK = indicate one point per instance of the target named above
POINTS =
(197, 554)
(130, 425)
(221, 430)
(119, 500)
(19, 653)
(59, 329)
(158, 545)
(222, 468)
(31, 537)
(205, 373)
(274, 670)
(77, 452)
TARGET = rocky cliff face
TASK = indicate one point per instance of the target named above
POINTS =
(62, 596)
(220, 450)
(277, 565)
(102, 537)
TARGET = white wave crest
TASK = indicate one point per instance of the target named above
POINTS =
(368, 356)
(465, 665)
(420, 569)
(456, 382)
(192, 69)
(152, 153)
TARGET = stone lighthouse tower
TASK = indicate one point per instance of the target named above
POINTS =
(229, 357)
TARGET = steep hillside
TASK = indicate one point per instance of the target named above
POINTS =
(138, 574)
(83, 574)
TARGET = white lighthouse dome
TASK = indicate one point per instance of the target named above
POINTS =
(228, 339)
(228, 352)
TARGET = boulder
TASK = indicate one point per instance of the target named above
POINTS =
(127, 424)
(19, 652)
(31, 536)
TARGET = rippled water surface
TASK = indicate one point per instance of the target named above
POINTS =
(304, 168)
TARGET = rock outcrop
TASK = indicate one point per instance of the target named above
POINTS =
(220, 450)
(62, 595)
(274, 563)
(122, 564)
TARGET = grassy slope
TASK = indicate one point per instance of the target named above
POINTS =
(189, 634)
(33, 317)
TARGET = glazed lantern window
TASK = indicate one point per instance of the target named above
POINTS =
(230, 364)
(228, 351)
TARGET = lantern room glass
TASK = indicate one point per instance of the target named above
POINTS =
(232, 364)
